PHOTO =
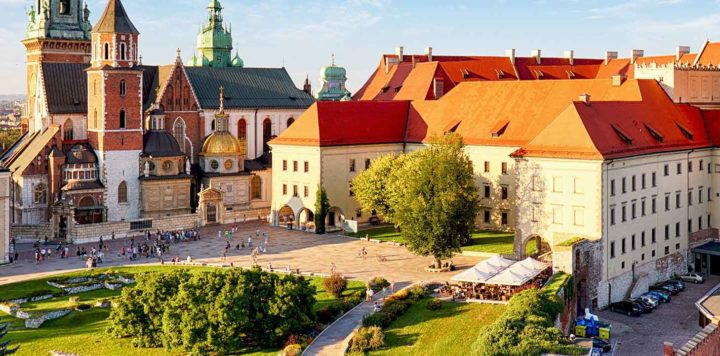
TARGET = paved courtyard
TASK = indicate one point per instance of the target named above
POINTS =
(308, 252)
(675, 322)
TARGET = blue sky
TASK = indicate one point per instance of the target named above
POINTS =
(303, 34)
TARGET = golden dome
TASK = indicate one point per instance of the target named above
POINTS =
(222, 144)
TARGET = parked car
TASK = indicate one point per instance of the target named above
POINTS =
(677, 283)
(663, 297)
(665, 288)
(626, 307)
(692, 278)
(644, 307)
(601, 344)
(652, 300)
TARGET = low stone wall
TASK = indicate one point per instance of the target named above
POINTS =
(9, 308)
(238, 216)
(30, 233)
(91, 233)
(704, 343)
(35, 323)
(178, 222)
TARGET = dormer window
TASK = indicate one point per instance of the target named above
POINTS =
(465, 73)
(654, 133)
(500, 128)
(684, 131)
(500, 73)
(622, 135)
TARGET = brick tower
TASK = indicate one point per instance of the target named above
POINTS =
(115, 110)
(58, 31)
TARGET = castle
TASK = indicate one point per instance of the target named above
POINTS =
(112, 144)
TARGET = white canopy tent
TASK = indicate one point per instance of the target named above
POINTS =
(483, 271)
(519, 273)
(472, 275)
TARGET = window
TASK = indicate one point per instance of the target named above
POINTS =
(690, 197)
(623, 249)
(487, 190)
(535, 213)
(295, 166)
(123, 51)
(64, 7)
(677, 246)
(653, 253)
(578, 217)
(504, 218)
(624, 188)
(486, 216)
(504, 168)
(677, 200)
(290, 121)
(642, 181)
(667, 202)
(689, 225)
(653, 236)
(633, 183)
(284, 165)
(632, 242)
(122, 192)
(624, 213)
(179, 130)
(537, 184)
(557, 184)
(267, 134)
(487, 167)
(612, 188)
(622, 265)
(41, 194)
(642, 239)
(653, 205)
(642, 207)
(123, 87)
(679, 168)
(352, 165)
(677, 229)
(557, 215)
(700, 195)
(654, 179)
(256, 188)
(242, 134)
(284, 189)
(68, 134)
(295, 190)
(699, 222)
(504, 192)
(612, 249)
(107, 51)
(307, 166)
(632, 210)
(578, 187)
(709, 190)
(667, 232)
(367, 163)
(690, 166)
(612, 216)
(122, 119)
(666, 170)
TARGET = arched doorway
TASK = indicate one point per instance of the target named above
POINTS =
(286, 216)
(535, 246)
(211, 213)
(582, 296)
(306, 219)
(334, 218)
(88, 211)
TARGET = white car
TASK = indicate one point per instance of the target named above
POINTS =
(650, 300)
(692, 278)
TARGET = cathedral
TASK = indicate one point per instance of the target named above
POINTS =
(110, 140)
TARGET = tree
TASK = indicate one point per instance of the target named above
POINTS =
(4, 345)
(430, 195)
(322, 205)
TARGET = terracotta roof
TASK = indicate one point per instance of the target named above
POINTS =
(419, 83)
(709, 55)
(328, 123)
(114, 20)
(556, 67)
(479, 68)
(658, 60)
(620, 66)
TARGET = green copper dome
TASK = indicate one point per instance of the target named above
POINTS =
(333, 80)
(237, 61)
(214, 41)
(333, 72)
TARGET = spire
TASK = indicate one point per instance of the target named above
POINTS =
(333, 60)
(115, 20)
(177, 56)
(221, 117)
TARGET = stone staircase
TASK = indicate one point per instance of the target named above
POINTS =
(634, 284)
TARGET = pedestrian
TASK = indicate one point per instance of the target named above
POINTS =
(332, 267)
(369, 294)
(384, 292)
(16, 257)
(250, 241)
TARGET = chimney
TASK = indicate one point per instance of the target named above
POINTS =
(428, 53)
(635, 54)
(585, 98)
(399, 53)
(438, 87)
(610, 55)
(570, 56)
(681, 51)
(510, 53)
(537, 54)
(414, 61)
(618, 80)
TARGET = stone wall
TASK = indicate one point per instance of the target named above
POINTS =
(704, 343)
(246, 215)
(92, 233)
(700, 237)
(30, 233)
(35, 323)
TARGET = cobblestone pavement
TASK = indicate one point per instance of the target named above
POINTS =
(308, 252)
(675, 322)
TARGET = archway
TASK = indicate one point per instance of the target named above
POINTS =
(286, 216)
(211, 213)
(334, 218)
(306, 219)
(535, 246)
(582, 296)
(88, 211)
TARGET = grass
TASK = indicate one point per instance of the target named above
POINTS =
(557, 281)
(451, 330)
(482, 240)
(83, 333)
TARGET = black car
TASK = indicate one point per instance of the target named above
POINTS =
(626, 307)
(669, 289)
(601, 344)
(644, 306)
(677, 283)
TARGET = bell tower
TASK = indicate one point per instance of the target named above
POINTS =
(115, 110)
(58, 31)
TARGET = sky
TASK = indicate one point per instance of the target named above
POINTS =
(301, 35)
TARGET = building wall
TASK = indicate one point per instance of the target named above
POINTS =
(283, 175)
(165, 197)
(235, 189)
(4, 216)
(119, 166)
(684, 85)
(79, 125)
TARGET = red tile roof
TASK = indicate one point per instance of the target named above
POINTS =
(709, 55)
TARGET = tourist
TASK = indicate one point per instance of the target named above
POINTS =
(270, 267)
(189, 259)
(89, 263)
(37, 256)
(250, 242)
(16, 257)
(332, 267)
(369, 294)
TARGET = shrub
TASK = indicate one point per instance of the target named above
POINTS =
(416, 292)
(378, 283)
(377, 319)
(400, 295)
(434, 304)
(292, 350)
(354, 299)
(324, 315)
(395, 308)
(366, 339)
(335, 284)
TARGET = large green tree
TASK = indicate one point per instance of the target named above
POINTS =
(429, 194)
(322, 206)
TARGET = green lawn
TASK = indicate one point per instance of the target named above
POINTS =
(83, 333)
(450, 330)
(483, 241)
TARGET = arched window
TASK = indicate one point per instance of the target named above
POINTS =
(122, 192)
(212, 125)
(256, 188)
(86, 202)
(41, 194)
(123, 51)
(68, 130)
(123, 90)
(290, 121)
(242, 135)
(122, 119)
(179, 130)
(267, 134)
(107, 51)
(64, 7)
